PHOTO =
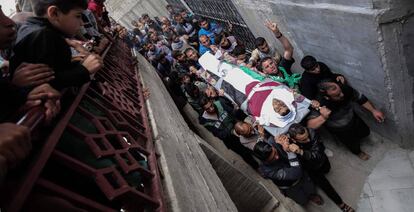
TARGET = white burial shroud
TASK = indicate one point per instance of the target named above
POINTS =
(233, 75)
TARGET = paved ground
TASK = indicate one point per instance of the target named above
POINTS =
(384, 183)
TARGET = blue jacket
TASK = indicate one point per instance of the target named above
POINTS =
(214, 29)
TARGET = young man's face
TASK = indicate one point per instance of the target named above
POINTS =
(181, 58)
(154, 37)
(269, 67)
(242, 57)
(192, 55)
(225, 43)
(69, 23)
(211, 92)
(179, 19)
(315, 70)
(204, 25)
(205, 41)
(164, 20)
(264, 48)
(165, 28)
(209, 108)
(7, 31)
(183, 14)
(302, 138)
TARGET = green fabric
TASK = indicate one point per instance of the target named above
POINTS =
(291, 80)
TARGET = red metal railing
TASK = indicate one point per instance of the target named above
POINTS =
(100, 155)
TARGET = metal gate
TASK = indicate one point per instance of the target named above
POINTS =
(221, 11)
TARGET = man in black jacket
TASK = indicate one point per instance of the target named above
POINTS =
(342, 121)
(311, 153)
(315, 71)
(285, 170)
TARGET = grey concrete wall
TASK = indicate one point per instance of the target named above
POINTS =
(370, 42)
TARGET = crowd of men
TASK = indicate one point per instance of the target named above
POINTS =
(54, 44)
(295, 160)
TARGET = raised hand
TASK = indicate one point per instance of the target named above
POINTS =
(272, 26)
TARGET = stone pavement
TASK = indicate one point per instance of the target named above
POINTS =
(383, 183)
(390, 186)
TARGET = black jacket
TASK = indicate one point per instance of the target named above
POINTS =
(308, 83)
(283, 172)
(314, 156)
(39, 42)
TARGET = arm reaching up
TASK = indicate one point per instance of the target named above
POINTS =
(287, 46)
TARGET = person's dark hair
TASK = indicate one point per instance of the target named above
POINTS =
(218, 38)
(262, 150)
(296, 129)
(192, 90)
(308, 62)
(201, 21)
(204, 100)
(176, 15)
(176, 54)
(137, 31)
(323, 85)
(239, 50)
(260, 66)
(238, 127)
(182, 10)
(40, 6)
(259, 41)
(168, 6)
(188, 49)
(145, 15)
